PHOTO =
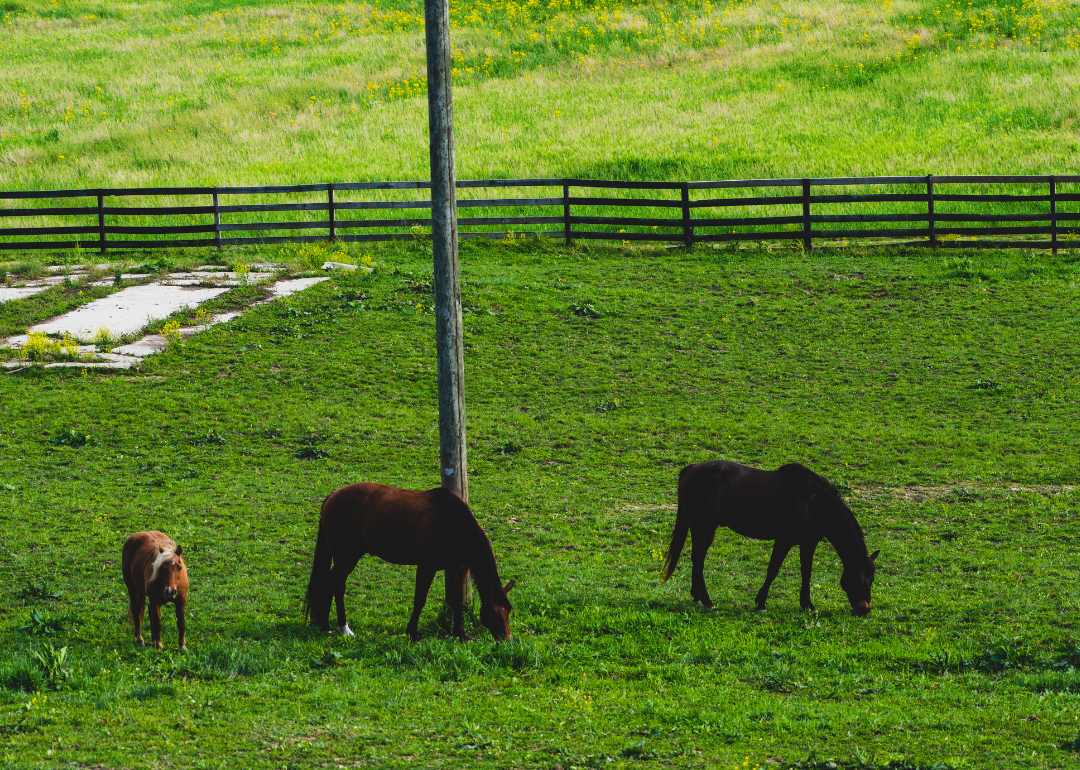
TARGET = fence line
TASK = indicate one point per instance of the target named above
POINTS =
(1042, 214)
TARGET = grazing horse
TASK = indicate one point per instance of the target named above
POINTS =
(435, 530)
(791, 505)
(153, 568)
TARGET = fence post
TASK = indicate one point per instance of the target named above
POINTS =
(1053, 217)
(101, 221)
(806, 215)
(687, 229)
(931, 224)
(333, 218)
(566, 212)
(217, 223)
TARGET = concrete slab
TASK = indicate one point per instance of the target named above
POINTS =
(293, 285)
(147, 346)
(7, 295)
(128, 310)
(94, 365)
(123, 276)
(74, 268)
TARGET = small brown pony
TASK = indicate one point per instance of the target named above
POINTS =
(791, 505)
(435, 530)
(153, 568)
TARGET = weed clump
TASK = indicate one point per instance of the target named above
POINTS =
(40, 347)
(210, 438)
(104, 340)
(70, 438)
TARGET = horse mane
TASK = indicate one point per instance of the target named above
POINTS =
(842, 525)
(162, 557)
(481, 556)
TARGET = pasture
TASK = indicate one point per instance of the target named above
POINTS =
(938, 391)
(228, 92)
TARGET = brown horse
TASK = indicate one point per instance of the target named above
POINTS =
(791, 505)
(153, 568)
(435, 530)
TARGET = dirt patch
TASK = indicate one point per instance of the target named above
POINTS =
(922, 492)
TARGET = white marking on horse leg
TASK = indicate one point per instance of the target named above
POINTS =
(345, 630)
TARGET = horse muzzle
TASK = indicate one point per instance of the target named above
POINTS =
(170, 594)
(860, 609)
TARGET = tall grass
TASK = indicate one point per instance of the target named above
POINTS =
(103, 93)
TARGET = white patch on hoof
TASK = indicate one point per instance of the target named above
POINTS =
(345, 630)
(760, 609)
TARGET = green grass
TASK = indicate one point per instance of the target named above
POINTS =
(939, 391)
(225, 92)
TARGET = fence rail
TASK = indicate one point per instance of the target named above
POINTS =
(911, 207)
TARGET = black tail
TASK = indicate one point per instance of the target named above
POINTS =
(318, 598)
(678, 535)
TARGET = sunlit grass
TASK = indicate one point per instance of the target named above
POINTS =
(938, 389)
(228, 93)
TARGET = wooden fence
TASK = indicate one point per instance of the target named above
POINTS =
(1032, 211)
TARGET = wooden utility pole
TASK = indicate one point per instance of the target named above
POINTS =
(444, 238)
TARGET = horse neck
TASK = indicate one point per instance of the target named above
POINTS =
(481, 560)
(847, 538)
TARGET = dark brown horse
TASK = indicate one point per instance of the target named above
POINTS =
(153, 569)
(435, 530)
(791, 505)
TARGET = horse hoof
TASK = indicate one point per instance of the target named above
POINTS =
(345, 630)
(759, 609)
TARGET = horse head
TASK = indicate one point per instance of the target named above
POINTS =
(857, 581)
(169, 569)
(849, 541)
(495, 611)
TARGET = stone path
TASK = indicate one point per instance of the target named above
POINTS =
(130, 309)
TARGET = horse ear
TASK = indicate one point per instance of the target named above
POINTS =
(508, 586)
(179, 550)
(874, 555)
(161, 548)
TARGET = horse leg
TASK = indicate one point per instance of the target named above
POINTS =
(455, 597)
(339, 575)
(424, 575)
(700, 541)
(155, 624)
(137, 606)
(181, 623)
(806, 561)
(779, 553)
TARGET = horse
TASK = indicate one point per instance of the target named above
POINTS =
(791, 505)
(154, 569)
(433, 529)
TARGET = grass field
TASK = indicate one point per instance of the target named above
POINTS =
(104, 93)
(939, 391)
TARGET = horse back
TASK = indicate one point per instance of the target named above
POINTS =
(756, 503)
(401, 526)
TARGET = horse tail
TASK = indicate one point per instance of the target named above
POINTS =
(678, 535)
(318, 597)
(466, 589)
